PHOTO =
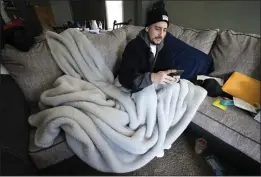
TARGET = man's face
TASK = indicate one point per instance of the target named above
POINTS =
(157, 32)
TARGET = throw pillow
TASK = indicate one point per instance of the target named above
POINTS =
(184, 57)
(200, 39)
(133, 31)
(234, 51)
(111, 46)
(34, 71)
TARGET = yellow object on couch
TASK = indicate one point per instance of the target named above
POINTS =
(243, 87)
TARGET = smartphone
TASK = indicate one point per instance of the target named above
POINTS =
(178, 73)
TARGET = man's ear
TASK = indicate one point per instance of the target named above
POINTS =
(147, 29)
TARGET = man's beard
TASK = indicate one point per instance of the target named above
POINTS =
(154, 43)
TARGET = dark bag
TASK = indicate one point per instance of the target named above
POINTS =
(213, 88)
(18, 37)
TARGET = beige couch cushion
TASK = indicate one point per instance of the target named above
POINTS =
(235, 118)
(233, 126)
(111, 46)
(133, 31)
(34, 71)
(234, 51)
(200, 39)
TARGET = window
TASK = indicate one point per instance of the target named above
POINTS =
(114, 11)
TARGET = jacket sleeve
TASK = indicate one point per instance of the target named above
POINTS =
(130, 75)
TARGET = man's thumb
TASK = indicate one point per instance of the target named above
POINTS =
(171, 71)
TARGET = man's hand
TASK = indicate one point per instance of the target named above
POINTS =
(162, 77)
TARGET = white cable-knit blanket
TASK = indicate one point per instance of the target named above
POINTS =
(104, 125)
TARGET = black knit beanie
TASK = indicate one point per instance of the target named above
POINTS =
(157, 15)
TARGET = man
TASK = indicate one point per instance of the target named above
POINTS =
(155, 53)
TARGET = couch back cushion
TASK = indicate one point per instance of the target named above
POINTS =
(111, 46)
(200, 39)
(235, 51)
(34, 71)
(132, 31)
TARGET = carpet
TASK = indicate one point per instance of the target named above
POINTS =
(179, 160)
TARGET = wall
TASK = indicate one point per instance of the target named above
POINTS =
(136, 10)
(145, 6)
(78, 10)
(88, 10)
(129, 7)
(242, 16)
(62, 11)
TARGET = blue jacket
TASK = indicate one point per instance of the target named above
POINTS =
(138, 62)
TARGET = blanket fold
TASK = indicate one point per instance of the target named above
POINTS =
(107, 127)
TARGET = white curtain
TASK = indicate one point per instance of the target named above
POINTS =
(114, 11)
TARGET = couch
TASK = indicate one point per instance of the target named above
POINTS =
(35, 71)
